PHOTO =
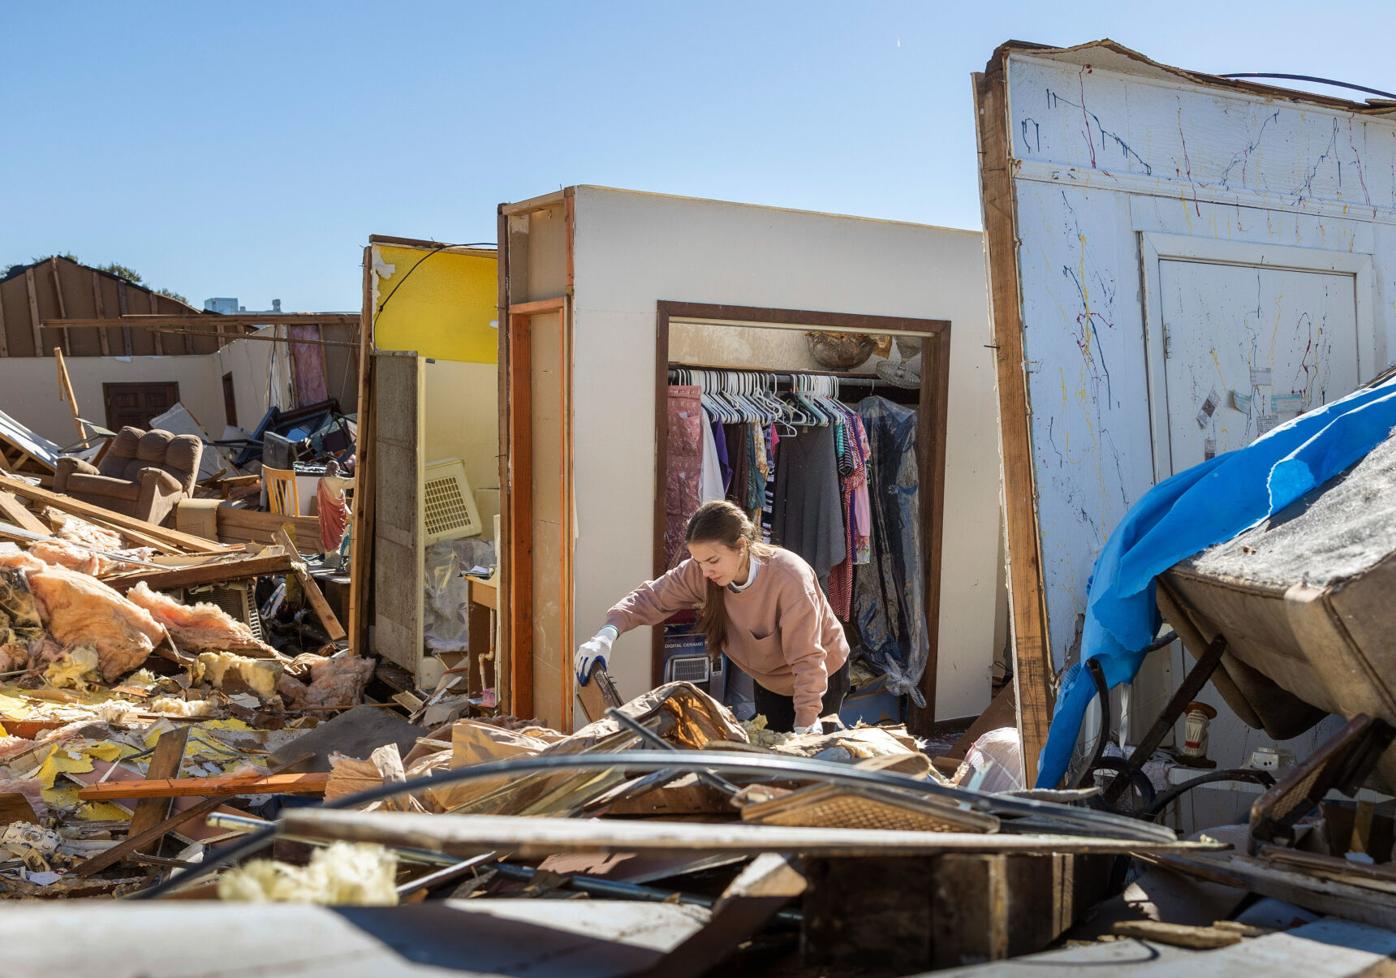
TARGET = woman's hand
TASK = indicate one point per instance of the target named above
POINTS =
(593, 650)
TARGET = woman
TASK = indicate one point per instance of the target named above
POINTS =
(760, 604)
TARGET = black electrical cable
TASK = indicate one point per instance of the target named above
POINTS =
(1102, 692)
(1166, 798)
(1310, 78)
(1085, 820)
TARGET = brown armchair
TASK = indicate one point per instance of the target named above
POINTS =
(144, 474)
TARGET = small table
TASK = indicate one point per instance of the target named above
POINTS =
(481, 615)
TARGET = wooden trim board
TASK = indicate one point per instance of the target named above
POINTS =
(1033, 673)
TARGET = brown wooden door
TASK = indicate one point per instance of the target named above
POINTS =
(136, 404)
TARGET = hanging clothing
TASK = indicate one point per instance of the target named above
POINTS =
(710, 472)
(852, 462)
(683, 468)
(768, 492)
(808, 510)
(724, 464)
(889, 595)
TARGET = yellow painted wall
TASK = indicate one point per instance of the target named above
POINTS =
(443, 309)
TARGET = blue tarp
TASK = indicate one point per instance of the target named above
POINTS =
(1184, 515)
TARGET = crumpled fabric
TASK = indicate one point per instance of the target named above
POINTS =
(683, 468)
(888, 596)
(1183, 515)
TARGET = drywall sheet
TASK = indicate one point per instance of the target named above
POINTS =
(633, 250)
(1195, 262)
(440, 303)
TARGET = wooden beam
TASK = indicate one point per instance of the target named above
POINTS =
(361, 516)
(124, 524)
(164, 763)
(1033, 671)
(312, 591)
(17, 513)
(104, 338)
(539, 836)
(58, 294)
(312, 783)
(4, 336)
(212, 319)
(538, 307)
(34, 319)
(123, 306)
(159, 337)
(520, 489)
(65, 387)
(215, 572)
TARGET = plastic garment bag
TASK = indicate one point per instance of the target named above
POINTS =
(889, 591)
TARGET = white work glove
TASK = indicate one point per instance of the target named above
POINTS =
(814, 728)
(592, 651)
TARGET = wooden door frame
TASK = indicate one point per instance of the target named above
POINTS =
(519, 453)
(931, 429)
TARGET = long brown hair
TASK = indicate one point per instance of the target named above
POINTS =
(723, 523)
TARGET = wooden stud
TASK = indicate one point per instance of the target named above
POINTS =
(361, 518)
(65, 387)
(520, 513)
(566, 545)
(103, 336)
(312, 591)
(502, 667)
(4, 335)
(164, 763)
(58, 294)
(159, 338)
(122, 303)
(211, 573)
(224, 784)
(34, 318)
(17, 513)
(1033, 670)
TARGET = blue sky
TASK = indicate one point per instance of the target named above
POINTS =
(250, 149)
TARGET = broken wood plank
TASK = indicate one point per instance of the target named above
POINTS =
(228, 784)
(17, 513)
(1178, 935)
(14, 807)
(542, 836)
(210, 573)
(311, 590)
(127, 525)
(164, 763)
(133, 843)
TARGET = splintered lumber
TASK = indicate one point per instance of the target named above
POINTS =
(17, 513)
(214, 572)
(223, 785)
(311, 590)
(164, 763)
(542, 836)
(127, 525)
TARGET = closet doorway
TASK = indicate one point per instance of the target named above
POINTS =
(768, 346)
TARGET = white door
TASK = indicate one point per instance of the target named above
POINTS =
(1247, 347)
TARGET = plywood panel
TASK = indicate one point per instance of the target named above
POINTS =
(397, 469)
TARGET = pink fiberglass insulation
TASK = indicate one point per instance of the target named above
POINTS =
(199, 627)
(77, 609)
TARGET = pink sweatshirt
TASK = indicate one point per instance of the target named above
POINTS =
(780, 630)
